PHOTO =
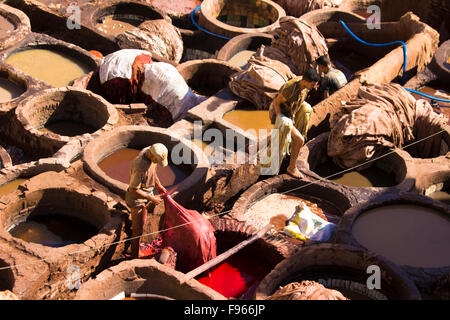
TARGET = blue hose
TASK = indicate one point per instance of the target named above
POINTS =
(405, 51)
(405, 59)
(203, 29)
(427, 95)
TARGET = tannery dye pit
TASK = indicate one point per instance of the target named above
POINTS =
(53, 67)
(345, 191)
(55, 230)
(411, 235)
(236, 277)
(67, 128)
(9, 90)
(115, 25)
(117, 166)
(278, 208)
(249, 120)
(370, 177)
(241, 58)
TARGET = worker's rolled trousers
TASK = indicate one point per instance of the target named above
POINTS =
(137, 228)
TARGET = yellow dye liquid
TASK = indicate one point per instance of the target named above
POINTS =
(10, 186)
(55, 68)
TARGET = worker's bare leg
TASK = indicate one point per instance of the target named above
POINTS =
(297, 143)
(138, 218)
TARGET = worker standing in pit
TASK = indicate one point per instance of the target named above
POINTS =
(140, 195)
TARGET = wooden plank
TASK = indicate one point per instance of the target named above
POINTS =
(208, 265)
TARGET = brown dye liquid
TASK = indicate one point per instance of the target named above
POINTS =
(441, 196)
(9, 90)
(67, 128)
(55, 230)
(118, 164)
(116, 25)
(241, 58)
(55, 68)
(406, 235)
(11, 186)
(370, 177)
(439, 92)
(249, 119)
(6, 27)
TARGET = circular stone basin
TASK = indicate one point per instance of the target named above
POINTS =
(146, 276)
(408, 229)
(108, 158)
(53, 230)
(391, 229)
(9, 90)
(117, 166)
(249, 118)
(367, 178)
(55, 217)
(14, 26)
(343, 268)
(240, 59)
(234, 17)
(57, 66)
(123, 16)
(206, 76)
(239, 49)
(51, 117)
(389, 171)
(238, 276)
(275, 200)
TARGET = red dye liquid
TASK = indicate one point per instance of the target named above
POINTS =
(238, 276)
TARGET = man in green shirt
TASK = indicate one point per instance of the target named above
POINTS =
(290, 107)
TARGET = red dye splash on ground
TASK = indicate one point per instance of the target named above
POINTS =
(236, 276)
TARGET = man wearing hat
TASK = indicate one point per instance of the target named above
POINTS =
(143, 181)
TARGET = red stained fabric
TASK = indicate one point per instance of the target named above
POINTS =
(124, 91)
(194, 242)
(118, 90)
(157, 114)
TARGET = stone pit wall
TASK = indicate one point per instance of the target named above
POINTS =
(89, 257)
